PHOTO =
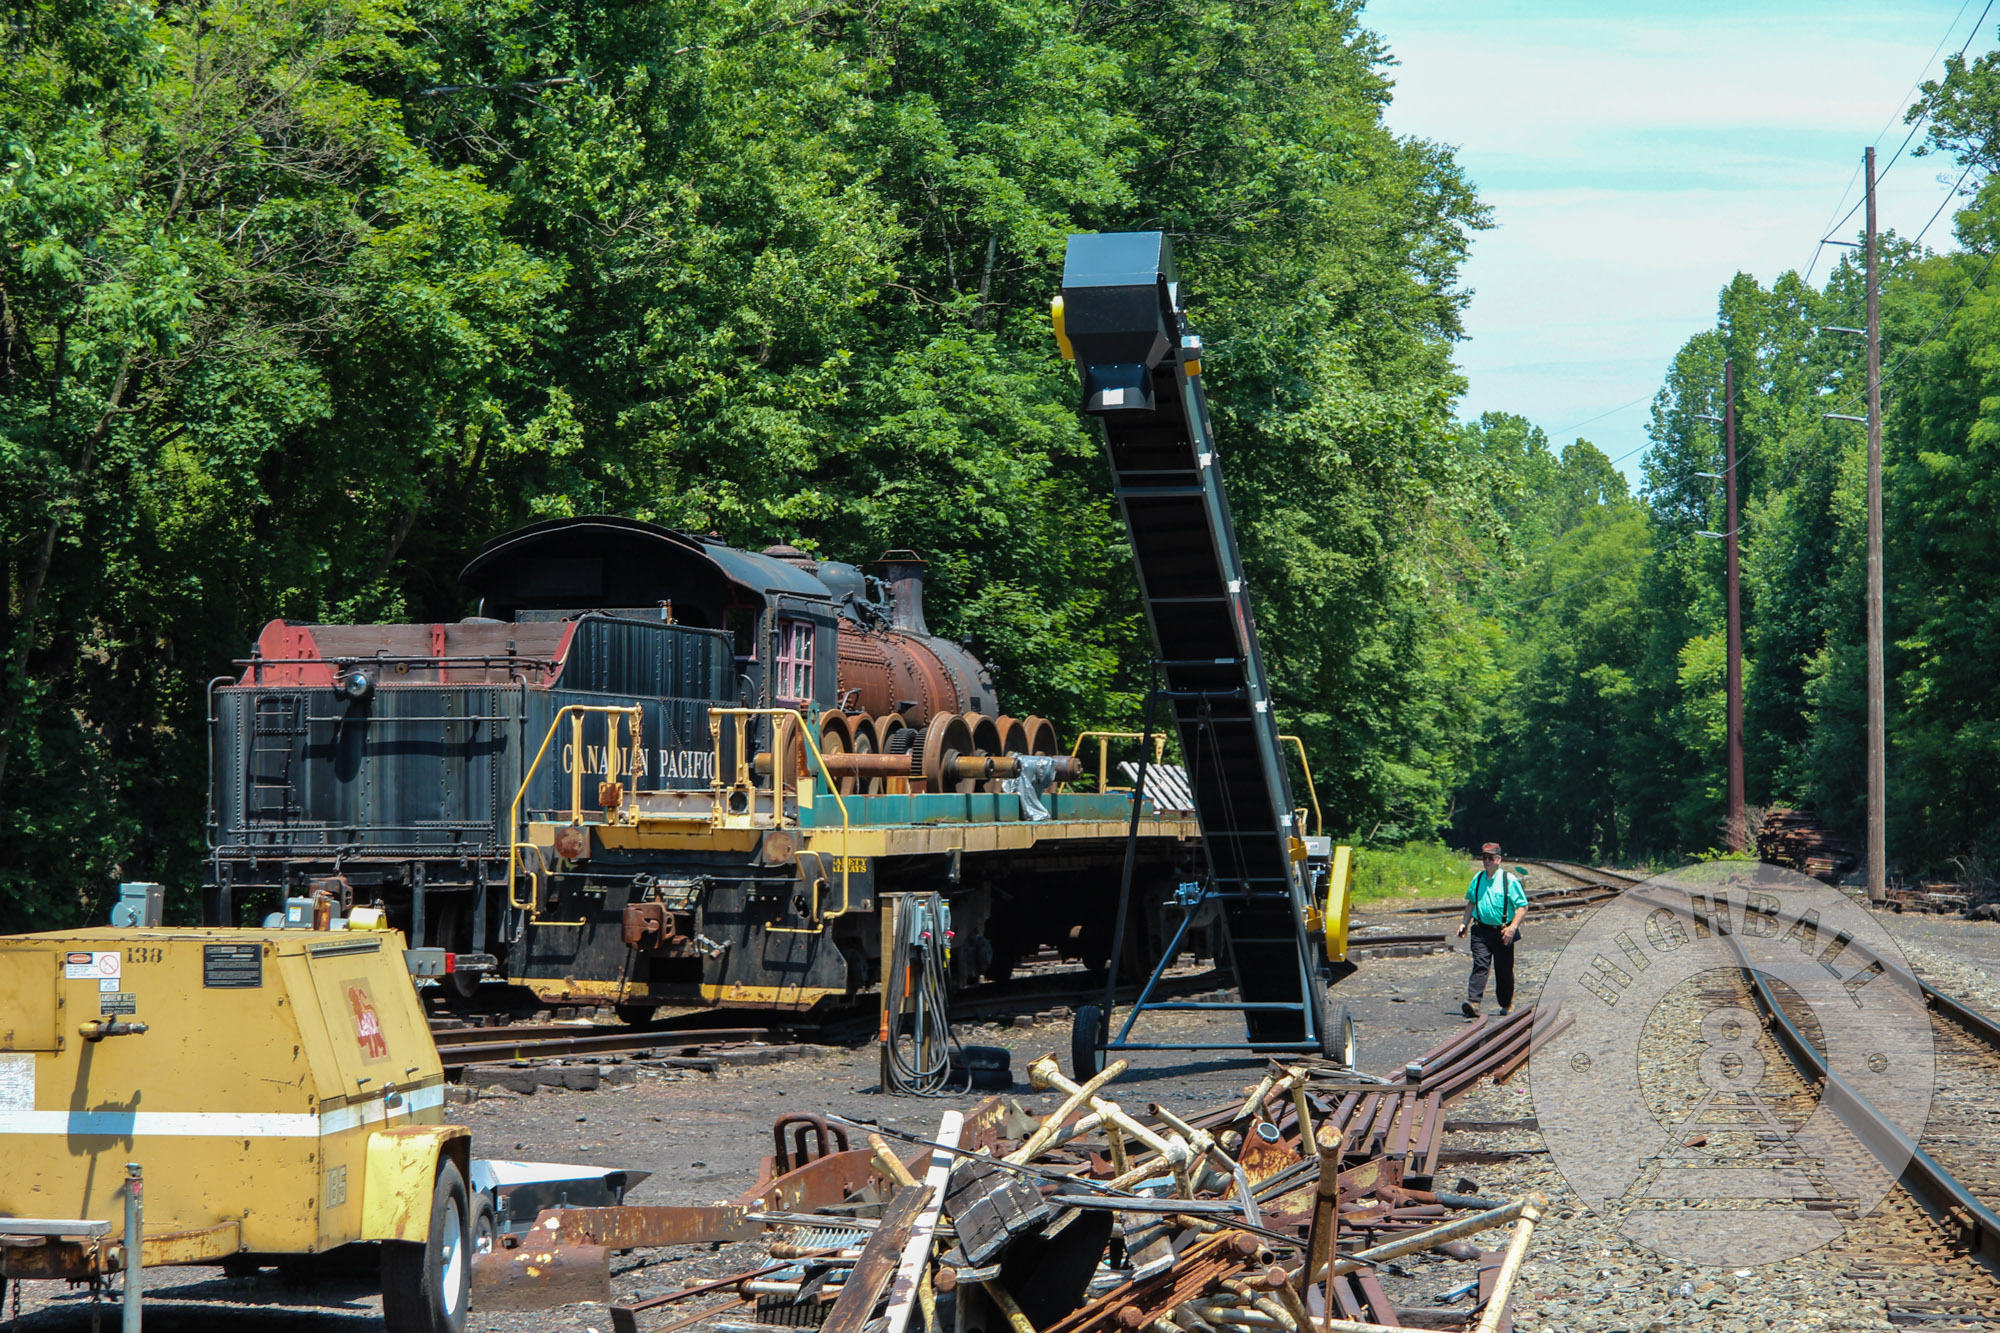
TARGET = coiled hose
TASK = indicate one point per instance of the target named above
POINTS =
(919, 1062)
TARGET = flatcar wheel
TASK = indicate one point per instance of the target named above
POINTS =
(892, 736)
(986, 742)
(1086, 1060)
(633, 1015)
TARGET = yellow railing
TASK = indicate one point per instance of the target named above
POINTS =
(746, 782)
(575, 713)
(1312, 792)
(1104, 739)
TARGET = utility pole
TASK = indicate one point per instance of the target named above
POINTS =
(1738, 832)
(1878, 884)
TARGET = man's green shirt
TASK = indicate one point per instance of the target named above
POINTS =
(1494, 898)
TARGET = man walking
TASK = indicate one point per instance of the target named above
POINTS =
(1495, 902)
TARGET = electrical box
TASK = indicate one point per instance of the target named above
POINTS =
(929, 916)
(139, 905)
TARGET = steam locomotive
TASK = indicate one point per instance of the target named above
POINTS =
(656, 769)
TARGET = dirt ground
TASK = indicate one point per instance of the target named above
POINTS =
(701, 1135)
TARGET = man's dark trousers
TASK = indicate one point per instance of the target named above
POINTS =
(1490, 954)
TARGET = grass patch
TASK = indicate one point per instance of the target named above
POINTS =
(1414, 870)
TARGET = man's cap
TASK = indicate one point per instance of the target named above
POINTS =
(1490, 849)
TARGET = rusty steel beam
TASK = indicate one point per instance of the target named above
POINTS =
(624, 1318)
(635, 1227)
(818, 1184)
(540, 1276)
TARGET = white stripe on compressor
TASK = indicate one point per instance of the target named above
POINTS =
(219, 1124)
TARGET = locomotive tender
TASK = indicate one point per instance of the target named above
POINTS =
(655, 769)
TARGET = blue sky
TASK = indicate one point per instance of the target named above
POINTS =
(1637, 155)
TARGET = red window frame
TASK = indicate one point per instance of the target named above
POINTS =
(792, 665)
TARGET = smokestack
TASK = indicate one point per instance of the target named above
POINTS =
(905, 572)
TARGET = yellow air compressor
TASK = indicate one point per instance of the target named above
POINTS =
(278, 1091)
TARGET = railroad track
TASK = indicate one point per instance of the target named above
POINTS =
(1042, 984)
(458, 1047)
(1591, 887)
(1930, 1250)
(1049, 984)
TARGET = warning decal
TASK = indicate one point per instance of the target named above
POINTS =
(367, 1024)
(98, 966)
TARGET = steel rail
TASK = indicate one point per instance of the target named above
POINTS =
(1921, 1173)
(458, 1056)
(511, 1034)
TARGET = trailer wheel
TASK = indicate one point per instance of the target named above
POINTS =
(426, 1286)
(1344, 1035)
(485, 1225)
(1086, 1061)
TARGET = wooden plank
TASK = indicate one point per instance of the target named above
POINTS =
(877, 1264)
(917, 1249)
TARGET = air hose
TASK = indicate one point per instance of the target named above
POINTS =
(918, 1062)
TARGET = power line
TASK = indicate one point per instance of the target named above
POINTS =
(1827, 232)
(1917, 82)
(1947, 200)
(1564, 430)
(1931, 332)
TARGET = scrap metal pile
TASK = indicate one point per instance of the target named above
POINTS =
(1268, 1215)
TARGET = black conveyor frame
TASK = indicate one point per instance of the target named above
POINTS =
(1120, 319)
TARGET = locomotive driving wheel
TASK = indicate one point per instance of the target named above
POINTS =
(836, 736)
(946, 741)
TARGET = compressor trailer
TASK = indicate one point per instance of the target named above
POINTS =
(279, 1090)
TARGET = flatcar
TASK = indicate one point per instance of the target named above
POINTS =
(655, 769)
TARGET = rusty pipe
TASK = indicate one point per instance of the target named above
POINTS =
(974, 767)
(1429, 1236)
(1047, 1130)
(1510, 1265)
(1045, 1073)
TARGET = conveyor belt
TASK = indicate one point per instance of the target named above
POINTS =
(1141, 372)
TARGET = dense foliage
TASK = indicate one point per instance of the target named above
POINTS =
(1607, 734)
(301, 300)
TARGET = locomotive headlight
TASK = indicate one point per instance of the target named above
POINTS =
(357, 685)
